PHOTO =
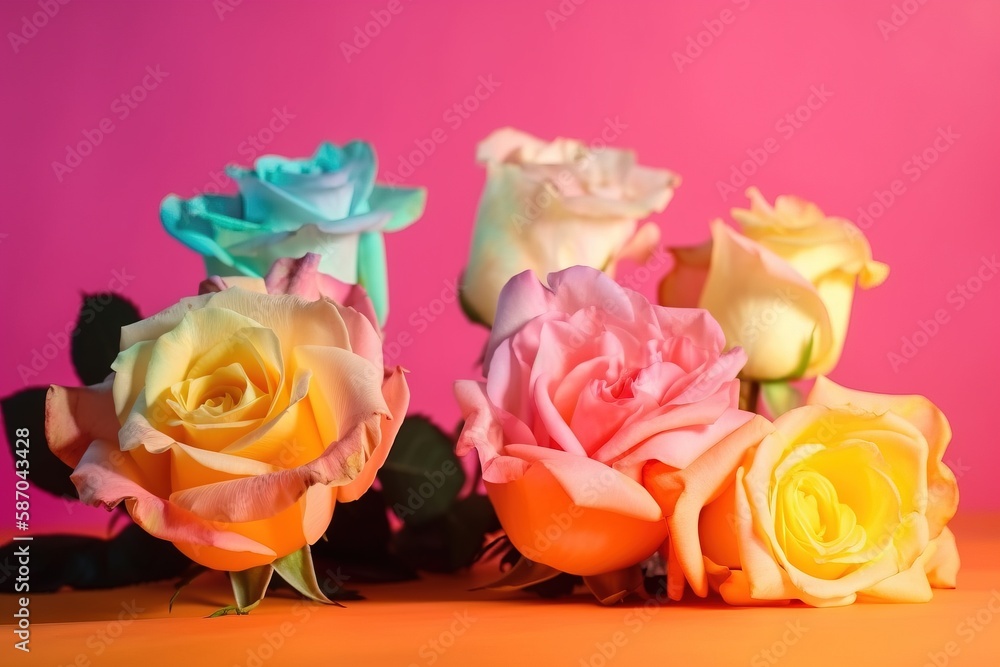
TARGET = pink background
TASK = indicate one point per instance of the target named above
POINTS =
(889, 94)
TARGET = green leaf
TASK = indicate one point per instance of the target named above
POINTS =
(524, 573)
(26, 410)
(780, 397)
(95, 342)
(235, 609)
(422, 476)
(249, 587)
(358, 546)
(450, 542)
(297, 570)
(131, 557)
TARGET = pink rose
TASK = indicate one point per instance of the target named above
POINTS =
(586, 381)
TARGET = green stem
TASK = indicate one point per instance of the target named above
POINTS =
(749, 395)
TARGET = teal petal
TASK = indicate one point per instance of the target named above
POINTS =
(372, 272)
(405, 204)
(283, 193)
(364, 166)
(191, 223)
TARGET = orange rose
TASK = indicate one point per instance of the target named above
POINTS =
(234, 423)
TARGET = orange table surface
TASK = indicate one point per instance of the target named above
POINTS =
(438, 621)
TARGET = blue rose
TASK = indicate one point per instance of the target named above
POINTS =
(328, 204)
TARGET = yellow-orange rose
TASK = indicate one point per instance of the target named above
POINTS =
(782, 290)
(847, 498)
(234, 422)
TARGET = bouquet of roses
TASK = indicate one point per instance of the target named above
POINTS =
(619, 440)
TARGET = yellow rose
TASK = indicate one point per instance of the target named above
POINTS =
(548, 206)
(782, 290)
(847, 497)
(234, 422)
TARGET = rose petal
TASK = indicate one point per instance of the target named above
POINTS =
(261, 496)
(683, 285)
(554, 529)
(751, 279)
(397, 398)
(682, 494)
(589, 483)
(923, 414)
(521, 300)
(76, 416)
(106, 477)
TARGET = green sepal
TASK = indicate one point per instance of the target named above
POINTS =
(804, 360)
(249, 587)
(612, 587)
(423, 457)
(193, 573)
(780, 397)
(297, 569)
(524, 573)
(239, 611)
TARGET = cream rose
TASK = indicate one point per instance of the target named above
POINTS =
(234, 422)
(548, 206)
(848, 497)
(782, 290)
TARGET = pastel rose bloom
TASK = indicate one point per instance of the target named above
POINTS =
(548, 206)
(328, 204)
(782, 290)
(235, 421)
(846, 499)
(586, 381)
(301, 277)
